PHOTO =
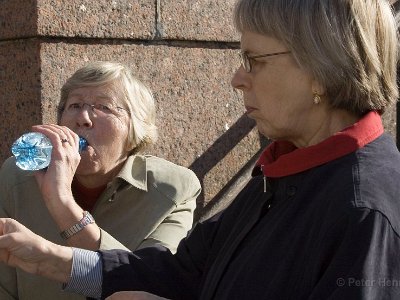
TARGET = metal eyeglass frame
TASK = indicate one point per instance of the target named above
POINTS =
(246, 59)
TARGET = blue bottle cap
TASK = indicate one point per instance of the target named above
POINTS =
(82, 144)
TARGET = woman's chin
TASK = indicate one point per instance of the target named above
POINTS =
(86, 167)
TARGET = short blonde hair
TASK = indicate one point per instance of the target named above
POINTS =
(135, 96)
(349, 46)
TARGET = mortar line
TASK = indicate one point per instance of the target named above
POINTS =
(158, 24)
(123, 41)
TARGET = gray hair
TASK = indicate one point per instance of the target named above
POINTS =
(136, 97)
(349, 46)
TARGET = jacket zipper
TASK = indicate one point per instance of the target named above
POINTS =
(264, 178)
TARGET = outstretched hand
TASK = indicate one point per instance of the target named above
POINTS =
(20, 247)
(134, 295)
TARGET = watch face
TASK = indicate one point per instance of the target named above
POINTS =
(88, 219)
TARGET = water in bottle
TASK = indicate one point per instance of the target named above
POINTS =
(32, 151)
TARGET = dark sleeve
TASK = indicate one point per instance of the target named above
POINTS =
(365, 262)
(156, 270)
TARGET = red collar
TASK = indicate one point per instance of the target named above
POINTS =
(282, 158)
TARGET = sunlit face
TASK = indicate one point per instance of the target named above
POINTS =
(277, 94)
(97, 114)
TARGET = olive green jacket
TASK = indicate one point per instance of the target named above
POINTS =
(150, 202)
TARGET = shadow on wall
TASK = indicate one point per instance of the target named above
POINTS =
(216, 153)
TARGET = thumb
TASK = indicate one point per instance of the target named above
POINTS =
(6, 225)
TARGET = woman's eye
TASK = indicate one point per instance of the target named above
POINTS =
(74, 106)
(104, 108)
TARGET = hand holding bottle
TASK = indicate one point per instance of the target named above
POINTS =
(32, 151)
(55, 181)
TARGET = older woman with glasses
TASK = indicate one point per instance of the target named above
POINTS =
(320, 219)
(110, 196)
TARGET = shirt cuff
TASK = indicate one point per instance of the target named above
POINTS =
(86, 276)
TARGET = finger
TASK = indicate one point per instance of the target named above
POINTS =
(61, 137)
(2, 223)
(52, 132)
(6, 225)
(67, 136)
(72, 137)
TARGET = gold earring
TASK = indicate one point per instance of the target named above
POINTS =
(316, 98)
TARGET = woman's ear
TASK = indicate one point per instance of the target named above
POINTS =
(318, 88)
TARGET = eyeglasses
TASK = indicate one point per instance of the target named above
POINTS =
(246, 59)
(97, 109)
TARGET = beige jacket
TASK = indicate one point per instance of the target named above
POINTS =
(150, 202)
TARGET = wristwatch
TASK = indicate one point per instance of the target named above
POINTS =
(86, 220)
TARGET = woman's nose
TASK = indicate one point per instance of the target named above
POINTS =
(84, 117)
(239, 80)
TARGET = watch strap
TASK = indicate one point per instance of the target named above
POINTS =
(86, 220)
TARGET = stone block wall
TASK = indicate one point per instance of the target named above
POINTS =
(185, 51)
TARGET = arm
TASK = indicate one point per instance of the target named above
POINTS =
(152, 269)
(55, 185)
(365, 263)
(156, 270)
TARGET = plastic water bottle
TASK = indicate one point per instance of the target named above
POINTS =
(32, 150)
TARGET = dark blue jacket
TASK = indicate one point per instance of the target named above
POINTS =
(331, 232)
